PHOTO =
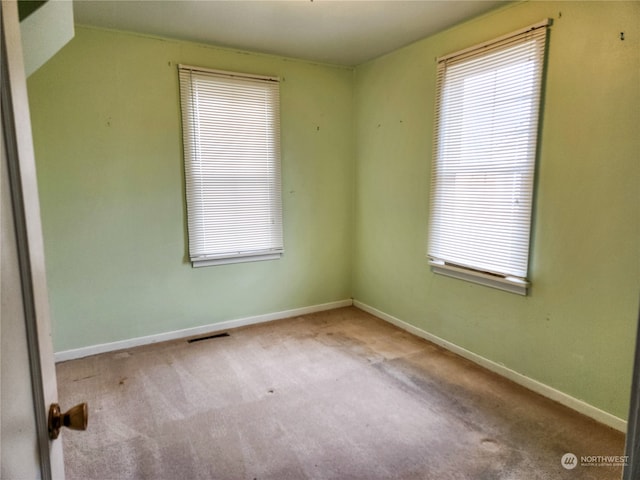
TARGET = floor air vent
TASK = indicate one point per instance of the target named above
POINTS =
(208, 337)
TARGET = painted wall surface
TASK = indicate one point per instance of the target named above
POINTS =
(108, 143)
(575, 331)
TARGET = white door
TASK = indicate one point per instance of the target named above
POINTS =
(27, 380)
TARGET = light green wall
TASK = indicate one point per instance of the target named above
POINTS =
(575, 331)
(106, 125)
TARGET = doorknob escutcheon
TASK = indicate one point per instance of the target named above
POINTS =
(75, 418)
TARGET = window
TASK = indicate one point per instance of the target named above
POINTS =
(231, 137)
(487, 106)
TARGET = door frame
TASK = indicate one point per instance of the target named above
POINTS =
(632, 448)
(23, 190)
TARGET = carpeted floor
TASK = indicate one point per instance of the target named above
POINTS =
(332, 395)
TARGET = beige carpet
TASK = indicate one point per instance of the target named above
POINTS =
(333, 395)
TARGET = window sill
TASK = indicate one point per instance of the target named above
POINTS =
(507, 284)
(209, 262)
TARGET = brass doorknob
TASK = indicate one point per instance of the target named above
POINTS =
(75, 418)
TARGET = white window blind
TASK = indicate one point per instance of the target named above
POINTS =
(487, 108)
(231, 137)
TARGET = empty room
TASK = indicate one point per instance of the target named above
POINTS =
(329, 240)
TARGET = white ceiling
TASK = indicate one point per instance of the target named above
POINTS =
(337, 32)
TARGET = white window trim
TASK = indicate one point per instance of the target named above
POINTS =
(203, 253)
(253, 257)
(506, 283)
(439, 265)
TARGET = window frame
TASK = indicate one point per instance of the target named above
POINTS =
(443, 259)
(238, 166)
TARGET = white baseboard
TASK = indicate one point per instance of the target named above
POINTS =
(189, 332)
(538, 387)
